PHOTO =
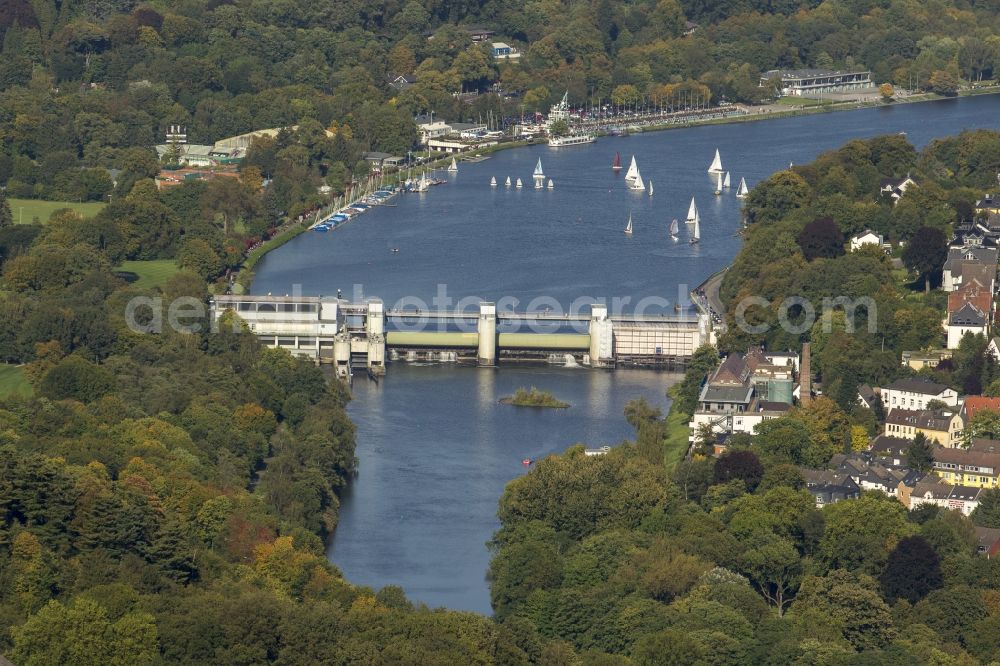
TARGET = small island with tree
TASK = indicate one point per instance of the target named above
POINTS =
(533, 398)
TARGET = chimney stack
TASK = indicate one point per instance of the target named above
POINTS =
(805, 377)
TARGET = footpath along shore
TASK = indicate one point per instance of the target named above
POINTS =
(244, 277)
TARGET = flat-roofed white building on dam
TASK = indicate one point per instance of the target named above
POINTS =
(804, 82)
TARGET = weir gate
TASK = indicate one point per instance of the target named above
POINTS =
(367, 335)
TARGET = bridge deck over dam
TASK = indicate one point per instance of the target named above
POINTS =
(348, 334)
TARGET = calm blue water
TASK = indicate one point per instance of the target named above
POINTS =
(435, 449)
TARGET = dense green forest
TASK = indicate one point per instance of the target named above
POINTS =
(729, 561)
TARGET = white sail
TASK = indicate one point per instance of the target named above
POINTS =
(628, 227)
(507, 182)
(716, 163)
(718, 184)
(453, 166)
(742, 191)
(551, 184)
(650, 187)
(633, 170)
(637, 184)
(493, 181)
(692, 211)
(538, 168)
(696, 234)
(725, 181)
(674, 227)
(519, 185)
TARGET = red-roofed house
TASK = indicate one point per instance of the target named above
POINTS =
(974, 403)
(973, 292)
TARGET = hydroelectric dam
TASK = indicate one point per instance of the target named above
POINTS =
(366, 336)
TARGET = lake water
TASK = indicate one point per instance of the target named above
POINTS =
(435, 450)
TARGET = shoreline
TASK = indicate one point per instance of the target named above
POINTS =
(245, 275)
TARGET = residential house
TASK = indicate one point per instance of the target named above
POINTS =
(503, 51)
(901, 423)
(970, 467)
(994, 347)
(928, 358)
(946, 496)
(480, 34)
(867, 396)
(987, 541)
(961, 257)
(866, 237)
(943, 426)
(830, 487)
(987, 205)
(895, 187)
(890, 448)
(915, 393)
(729, 401)
(871, 472)
(974, 403)
(400, 82)
(975, 290)
(967, 319)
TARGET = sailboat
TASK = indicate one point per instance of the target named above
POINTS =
(650, 187)
(696, 233)
(633, 170)
(718, 185)
(637, 184)
(674, 228)
(725, 181)
(692, 212)
(518, 185)
(507, 182)
(628, 227)
(539, 175)
(551, 185)
(493, 181)
(716, 166)
(616, 165)
(453, 166)
(742, 191)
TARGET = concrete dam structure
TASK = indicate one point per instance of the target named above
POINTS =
(367, 335)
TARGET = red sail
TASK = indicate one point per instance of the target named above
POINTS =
(617, 164)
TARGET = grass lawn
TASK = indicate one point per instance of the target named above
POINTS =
(25, 210)
(13, 381)
(152, 273)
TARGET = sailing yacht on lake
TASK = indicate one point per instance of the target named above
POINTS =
(692, 212)
(518, 185)
(716, 166)
(507, 182)
(742, 191)
(650, 187)
(718, 185)
(493, 181)
(616, 165)
(453, 167)
(725, 181)
(633, 170)
(674, 228)
(539, 175)
(628, 226)
(637, 184)
(696, 233)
